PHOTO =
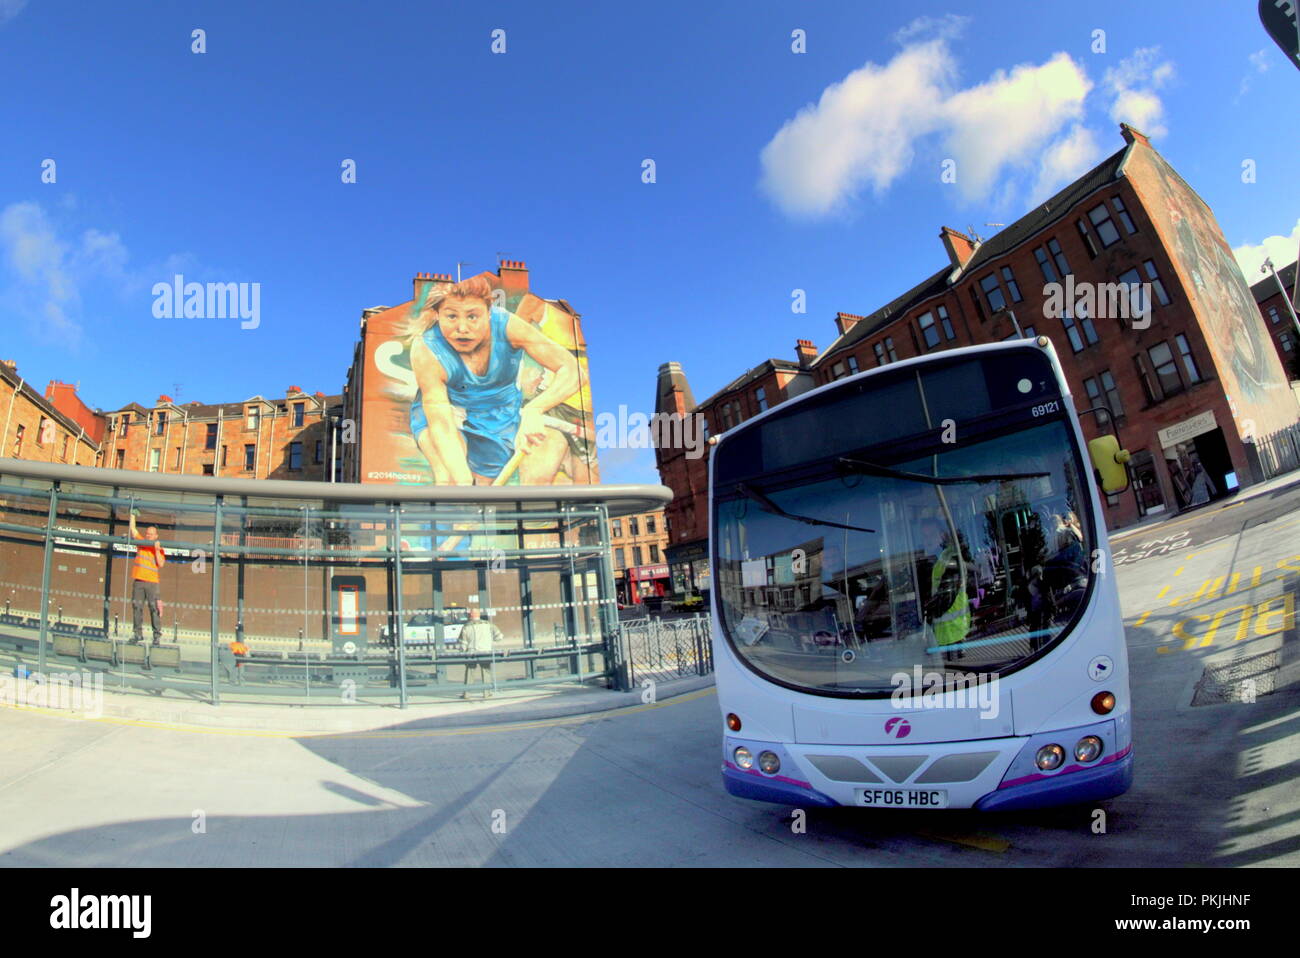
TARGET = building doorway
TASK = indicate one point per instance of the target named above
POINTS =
(1146, 483)
(1201, 469)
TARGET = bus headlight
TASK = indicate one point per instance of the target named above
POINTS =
(733, 721)
(743, 757)
(1088, 748)
(1049, 757)
(1103, 702)
(769, 763)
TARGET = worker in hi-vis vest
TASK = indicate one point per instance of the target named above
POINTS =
(946, 601)
(148, 562)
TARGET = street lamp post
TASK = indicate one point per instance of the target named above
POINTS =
(1286, 297)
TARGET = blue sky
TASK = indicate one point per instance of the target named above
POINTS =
(774, 170)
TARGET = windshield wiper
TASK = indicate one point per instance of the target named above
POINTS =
(767, 505)
(873, 469)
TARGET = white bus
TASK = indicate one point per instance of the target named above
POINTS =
(914, 605)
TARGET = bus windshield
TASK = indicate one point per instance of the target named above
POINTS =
(927, 517)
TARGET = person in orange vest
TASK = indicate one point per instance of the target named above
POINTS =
(240, 651)
(149, 559)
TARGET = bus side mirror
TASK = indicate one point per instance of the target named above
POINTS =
(1109, 460)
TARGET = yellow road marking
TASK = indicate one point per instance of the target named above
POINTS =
(1161, 594)
(980, 840)
(1179, 570)
(372, 734)
(1144, 616)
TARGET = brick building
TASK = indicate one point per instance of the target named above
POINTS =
(1182, 358)
(637, 544)
(259, 438)
(35, 428)
(1277, 318)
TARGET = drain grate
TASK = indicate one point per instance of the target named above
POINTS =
(1244, 679)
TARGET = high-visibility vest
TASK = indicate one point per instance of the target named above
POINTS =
(148, 560)
(238, 648)
(953, 626)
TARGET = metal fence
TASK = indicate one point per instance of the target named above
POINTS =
(663, 649)
(1279, 452)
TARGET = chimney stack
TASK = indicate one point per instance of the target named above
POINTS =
(846, 321)
(960, 247)
(1131, 135)
(805, 352)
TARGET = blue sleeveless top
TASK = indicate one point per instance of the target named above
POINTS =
(491, 401)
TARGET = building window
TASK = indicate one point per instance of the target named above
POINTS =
(1088, 244)
(853, 364)
(640, 555)
(1013, 288)
(650, 525)
(993, 292)
(837, 371)
(18, 441)
(155, 455)
(1154, 276)
(224, 451)
(250, 456)
(1058, 257)
(880, 354)
(298, 408)
(1112, 393)
(978, 304)
(207, 468)
(320, 451)
(121, 459)
(1149, 388)
(177, 467)
(618, 559)
(616, 528)
(889, 348)
(210, 441)
(1029, 332)
(160, 423)
(1045, 264)
(295, 456)
(654, 553)
(1094, 398)
(1080, 332)
(122, 424)
(1284, 340)
(1122, 212)
(633, 529)
(945, 323)
(251, 417)
(1166, 370)
(760, 397)
(928, 332)
(1189, 361)
(1104, 225)
(1273, 316)
(1137, 301)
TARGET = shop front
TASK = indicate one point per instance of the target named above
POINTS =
(1196, 456)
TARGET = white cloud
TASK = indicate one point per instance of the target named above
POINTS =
(1064, 161)
(947, 27)
(47, 271)
(864, 129)
(1259, 63)
(1133, 84)
(1281, 249)
(10, 9)
(860, 132)
(1006, 122)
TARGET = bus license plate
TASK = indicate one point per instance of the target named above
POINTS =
(903, 797)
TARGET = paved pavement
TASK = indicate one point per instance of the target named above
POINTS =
(1215, 784)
